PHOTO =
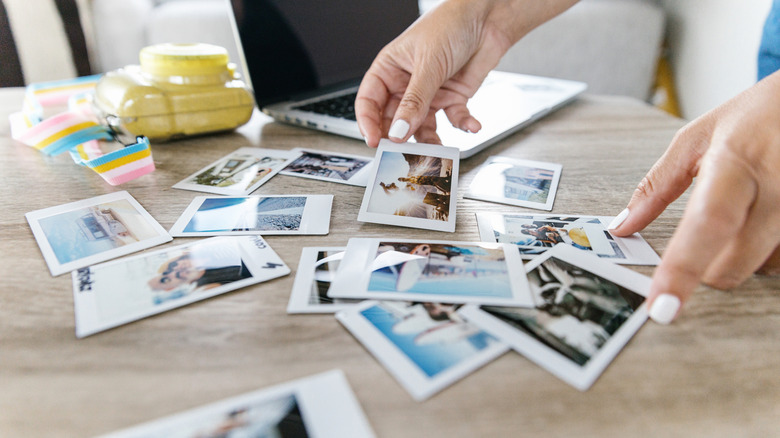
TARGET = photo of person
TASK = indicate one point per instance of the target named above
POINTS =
(197, 268)
(435, 268)
(125, 290)
(326, 166)
(535, 234)
(280, 418)
(412, 185)
(432, 336)
(87, 231)
(247, 214)
(576, 311)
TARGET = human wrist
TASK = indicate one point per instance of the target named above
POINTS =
(515, 18)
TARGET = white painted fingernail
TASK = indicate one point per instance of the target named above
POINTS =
(399, 129)
(618, 219)
(664, 308)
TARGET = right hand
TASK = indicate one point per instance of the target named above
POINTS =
(439, 63)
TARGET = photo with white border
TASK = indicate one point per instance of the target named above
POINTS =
(412, 185)
(239, 173)
(587, 309)
(425, 346)
(317, 406)
(317, 268)
(536, 233)
(93, 230)
(436, 271)
(334, 167)
(122, 291)
(252, 215)
(524, 183)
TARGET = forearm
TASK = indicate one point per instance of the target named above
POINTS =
(512, 19)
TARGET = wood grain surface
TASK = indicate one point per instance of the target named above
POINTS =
(714, 372)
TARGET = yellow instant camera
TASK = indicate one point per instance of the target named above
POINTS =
(178, 90)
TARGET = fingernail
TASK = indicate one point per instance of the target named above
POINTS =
(618, 219)
(399, 129)
(664, 308)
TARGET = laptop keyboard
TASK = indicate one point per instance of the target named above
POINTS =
(342, 107)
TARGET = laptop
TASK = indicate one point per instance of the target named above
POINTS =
(304, 60)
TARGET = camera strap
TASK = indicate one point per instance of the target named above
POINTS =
(76, 130)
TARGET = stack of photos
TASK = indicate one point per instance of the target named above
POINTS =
(118, 292)
(586, 309)
(439, 271)
(328, 166)
(316, 270)
(317, 406)
(425, 346)
(533, 234)
(93, 230)
(412, 185)
(512, 181)
(239, 173)
(249, 215)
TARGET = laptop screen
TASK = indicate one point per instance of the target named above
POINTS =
(293, 47)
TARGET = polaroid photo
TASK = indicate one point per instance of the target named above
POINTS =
(518, 182)
(412, 185)
(121, 291)
(436, 271)
(587, 309)
(535, 233)
(341, 168)
(317, 406)
(316, 271)
(94, 230)
(238, 173)
(425, 346)
(252, 215)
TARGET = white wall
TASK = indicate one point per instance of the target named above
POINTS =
(713, 48)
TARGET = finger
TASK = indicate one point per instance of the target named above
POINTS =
(715, 213)
(752, 247)
(389, 111)
(413, 109)
(461, 118)
(427, 132)
(669, 177)
(372, 97)
(771, 264)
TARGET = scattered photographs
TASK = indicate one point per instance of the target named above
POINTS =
(438, 271)
(533, 234)
(586, 310)
(328, 166)
(239, 173)
(93, 230)
(412, 185)
(316, 270)
(245, 215)
(118, 292)
(512, 181)
(425, 346)
(320, 405)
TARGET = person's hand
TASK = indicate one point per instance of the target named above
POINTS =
(731, 225)
(439, 63)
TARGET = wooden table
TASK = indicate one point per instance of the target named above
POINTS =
(714, 372)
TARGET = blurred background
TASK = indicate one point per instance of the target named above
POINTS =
(684, 56)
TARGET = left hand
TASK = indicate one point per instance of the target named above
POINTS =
(731, 225)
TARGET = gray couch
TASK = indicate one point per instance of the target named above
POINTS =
(613, 45)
